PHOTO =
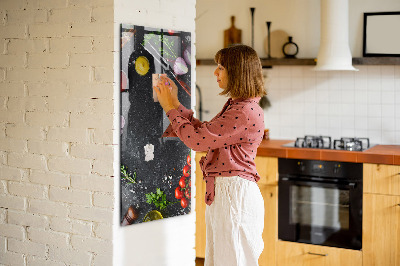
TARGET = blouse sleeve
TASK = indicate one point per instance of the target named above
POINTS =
(186, 113)
(225, 130)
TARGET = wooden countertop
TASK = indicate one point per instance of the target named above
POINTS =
(379, 154)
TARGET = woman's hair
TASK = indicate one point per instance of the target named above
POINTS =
(245, 77)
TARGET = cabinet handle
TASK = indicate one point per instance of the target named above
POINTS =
(318, 254)
(398, 204)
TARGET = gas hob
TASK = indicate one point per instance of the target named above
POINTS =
(325, 142)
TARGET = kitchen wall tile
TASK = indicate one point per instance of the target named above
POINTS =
(397, 123)
(335, 95)
(285, 72)
(361, 125)
(374, 97)
(285, 83)
(361, 110)
(397, 133)
(397, 93)
(310, 95)
(374, 110)
(348, 95)
(388, 124)
(297, 72)
(322, 95)
(310, 109)
(388, 84)
(297, 83)
(335, 122)
(387, 72)
(322, 74)
(348, 132)
(388, 97)
(375, 136)
(322, 109)
(361, 97)
(397, 71)
(322, 121)
(347, 122)
(347, 109)
(388, 111)
(308, 72)
(323, 102)
(389, 136)
(334, 108)
(374, 123)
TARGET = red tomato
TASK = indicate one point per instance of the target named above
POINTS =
(178, 193)
(184, 203)
(186, 170)
(187, 193)
(188, 159)
(182, 182)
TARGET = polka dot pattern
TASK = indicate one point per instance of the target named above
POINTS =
(231, 139)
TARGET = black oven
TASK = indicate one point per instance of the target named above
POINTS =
(320, 202)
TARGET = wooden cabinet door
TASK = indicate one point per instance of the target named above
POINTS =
(381, 179)
(270, 233)
(267, 168)
(298, 254)
(381, 230)
(200, 209)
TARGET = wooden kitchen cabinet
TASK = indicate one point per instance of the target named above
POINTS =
(298, 254)
(270, 233)
(381, 179)
(381, 230)
(200, 209)
(267, 168)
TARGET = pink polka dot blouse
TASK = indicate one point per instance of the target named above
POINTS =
(231, 139)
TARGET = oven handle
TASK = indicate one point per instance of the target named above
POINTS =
(298, 181)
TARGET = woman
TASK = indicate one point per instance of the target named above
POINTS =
(235, 207)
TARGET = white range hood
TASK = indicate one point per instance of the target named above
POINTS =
(334, 51)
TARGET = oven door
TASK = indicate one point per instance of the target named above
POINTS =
(320, 212)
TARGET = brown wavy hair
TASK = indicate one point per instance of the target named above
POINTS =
(245, 77)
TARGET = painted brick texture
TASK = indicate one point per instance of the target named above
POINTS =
(56, 124)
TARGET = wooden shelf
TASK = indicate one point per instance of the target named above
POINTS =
(312, 61)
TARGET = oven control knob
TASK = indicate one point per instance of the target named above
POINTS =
(336, 169)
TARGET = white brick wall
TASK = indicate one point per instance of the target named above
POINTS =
(56, 124)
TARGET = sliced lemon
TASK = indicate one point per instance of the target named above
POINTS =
(142, 65)
(152, 215)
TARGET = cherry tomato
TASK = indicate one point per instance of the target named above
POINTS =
(184, 203)
(187, 193)
(188, 159)
(182, 182)
(178, 193)
(186, 170)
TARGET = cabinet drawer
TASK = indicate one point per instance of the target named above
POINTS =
(381, 179)
(293, 254)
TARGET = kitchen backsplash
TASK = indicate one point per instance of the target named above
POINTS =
(337, 104)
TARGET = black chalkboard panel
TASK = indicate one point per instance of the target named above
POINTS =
(155, 171)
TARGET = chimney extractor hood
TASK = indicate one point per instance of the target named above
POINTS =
(334, 51)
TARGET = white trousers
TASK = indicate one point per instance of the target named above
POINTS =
(234, 223)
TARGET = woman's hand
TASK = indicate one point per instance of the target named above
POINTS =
(174, 90)
(164, 92)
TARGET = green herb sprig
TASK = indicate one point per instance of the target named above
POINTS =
(159, 199)
(127, 175)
